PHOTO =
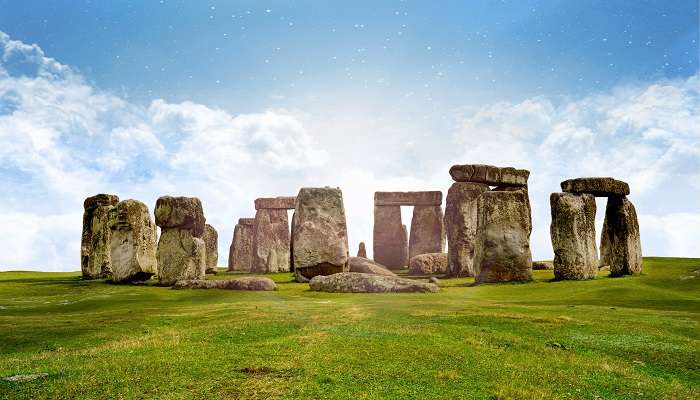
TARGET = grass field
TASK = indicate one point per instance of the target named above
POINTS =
(631, 337)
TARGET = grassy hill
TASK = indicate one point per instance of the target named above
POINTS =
(631, 337)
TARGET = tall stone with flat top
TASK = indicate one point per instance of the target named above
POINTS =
(502, 248)
(95, 257)
(181, 251)
(211, 245)
(573, 236)
(427, 231)
(271, 241)
(320, 233)
(240, 254)
(390, 245)
(621, 246)
(133, 242)
(460, 223)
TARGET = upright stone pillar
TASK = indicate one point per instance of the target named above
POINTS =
(361, 250)
(427, 231)
(573, 236)
(133, 242)
(181, 252)
(460, 224)
(211, 245)
(621, 247)
(502, 251)
(240, 254)
(271, 241)
(320, 233)
(95, 260)
(390, 245)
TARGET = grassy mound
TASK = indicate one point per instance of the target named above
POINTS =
(631, 337)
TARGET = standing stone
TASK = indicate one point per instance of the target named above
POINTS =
(320, 233)
(271, 241)
(133, 242)
(390, 244)
(502, 247)
(291, 243)
(573, 236)
(211, 245)
(240, 256)
(95, 242)
(361, 250)
(181, 252)
(427, 231)
(621, 247)
(460, 223)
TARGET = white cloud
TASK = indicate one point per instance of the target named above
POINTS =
(62, 139)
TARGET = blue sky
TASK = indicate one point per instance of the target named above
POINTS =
(230, 101)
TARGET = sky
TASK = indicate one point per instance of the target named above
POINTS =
(230, 101)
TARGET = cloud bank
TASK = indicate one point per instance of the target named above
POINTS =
(63, 139)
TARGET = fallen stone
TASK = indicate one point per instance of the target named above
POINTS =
(460, 224)
(180, 213)
(573, 236)
(211, 246)
(133, 242)
(281, 203)
(355, 282)
(240, 254)
(434, 280)
(181, 256)
(489, 175)
(366, 266)
(542, 265)
(361, 250)
(243, 283)
(620, 245)
(599, 187)
(428, 264)
(502, 249)
(427, 231)
(390, 242)
(25, 377)
(320, 232)
(427, 198)
(271, 241)
(99, 266)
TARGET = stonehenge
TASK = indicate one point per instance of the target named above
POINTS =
(133, 242)
(320, 234)
(211, 246)
(361, 250)
(181, 251)
(428, 264)
(427, 235)
(95, 257)
(460, 223)
(271, 239)
(573, 229)
(240, 256)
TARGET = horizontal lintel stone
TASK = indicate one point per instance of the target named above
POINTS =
(427, 198)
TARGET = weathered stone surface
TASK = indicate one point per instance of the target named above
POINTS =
(427, 198)
(180, 212)
(366, 266)
(428, 264)
(390, 244)
(573, 236)
(92, 270)
(133, 242)
(460, 223)
(502, 246)
(181, 256)
(361, 250)
(542, 265)
(211, 246)
(320, 232)
(427, 231)
(282, 203)
(271, 241)
(291, 243)
(242, 283)
(100, 259)
(597, 186)
(489, 174)
(240, 256)
(620, 246)
(355, 282)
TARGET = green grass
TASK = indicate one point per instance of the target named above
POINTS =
(631, 337)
